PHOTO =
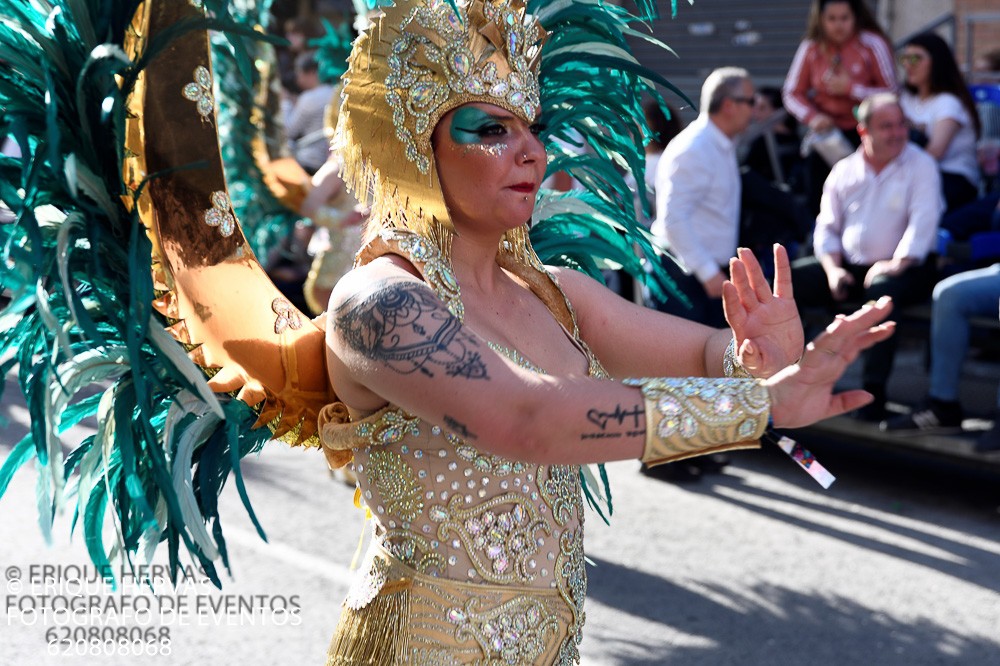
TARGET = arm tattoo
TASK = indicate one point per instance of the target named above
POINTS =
(627, 418)
(459, 428)
(601, 419)
(406, 328)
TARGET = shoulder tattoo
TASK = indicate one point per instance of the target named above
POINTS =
(403, 326)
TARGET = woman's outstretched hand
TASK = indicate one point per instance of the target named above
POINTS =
(765, 323)
(803, 394)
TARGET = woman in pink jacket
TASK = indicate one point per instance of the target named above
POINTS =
(844, 58)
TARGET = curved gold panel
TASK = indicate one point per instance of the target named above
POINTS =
(212, 290)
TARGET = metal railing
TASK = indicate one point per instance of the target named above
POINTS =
(941, 21)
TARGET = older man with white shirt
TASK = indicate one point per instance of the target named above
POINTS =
(876, 227)
(698, 195)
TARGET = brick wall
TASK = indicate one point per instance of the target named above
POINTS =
(985, 36)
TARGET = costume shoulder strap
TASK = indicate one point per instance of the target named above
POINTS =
(433, 266)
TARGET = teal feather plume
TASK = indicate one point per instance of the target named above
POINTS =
(592, 90)
(332, 50)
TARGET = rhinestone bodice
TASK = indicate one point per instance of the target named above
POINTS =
(447, 509)
(452, 513)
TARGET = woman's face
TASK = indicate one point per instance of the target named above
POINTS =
(916, 63)
(491, 164)
(297, 41)
(837, 21)
(762, 108)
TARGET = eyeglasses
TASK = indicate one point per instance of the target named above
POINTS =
(910, 58)
(744, 100)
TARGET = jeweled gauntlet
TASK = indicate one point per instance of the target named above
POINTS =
(688, 417)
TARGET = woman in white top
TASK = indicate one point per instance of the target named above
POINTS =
(938, 104)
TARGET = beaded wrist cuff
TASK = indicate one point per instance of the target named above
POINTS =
(695, 416)
(731, 365)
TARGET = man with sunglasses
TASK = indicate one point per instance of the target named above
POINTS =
(698, 217)
(698, 196)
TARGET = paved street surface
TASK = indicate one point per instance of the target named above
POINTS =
(898, 563)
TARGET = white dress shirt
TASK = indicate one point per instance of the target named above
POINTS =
(304, 126)
(698, 198)
(894, 214)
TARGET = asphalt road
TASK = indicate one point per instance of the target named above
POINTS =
(898, 563)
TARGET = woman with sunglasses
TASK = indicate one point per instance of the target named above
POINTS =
(938, 105)
(844, 58)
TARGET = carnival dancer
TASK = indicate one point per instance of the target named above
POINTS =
(466, 381)
(478, 380)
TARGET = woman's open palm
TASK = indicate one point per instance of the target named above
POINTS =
(765, 323)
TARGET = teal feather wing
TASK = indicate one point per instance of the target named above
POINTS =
(592, 91)
(76, 266)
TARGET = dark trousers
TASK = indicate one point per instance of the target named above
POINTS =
(957, 190)
(914, 285)
(978, 216)
(703, 308)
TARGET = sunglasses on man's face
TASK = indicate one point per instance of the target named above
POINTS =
(744, 100)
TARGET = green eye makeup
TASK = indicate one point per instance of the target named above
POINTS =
(470, 125)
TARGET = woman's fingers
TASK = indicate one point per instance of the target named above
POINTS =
(755, 275)
(736, 315)
(741, 280)
(782, 272)
(803, 394)
(845, 326)
(847, 336)
(869, 338)
(848, 401)
(750, 356)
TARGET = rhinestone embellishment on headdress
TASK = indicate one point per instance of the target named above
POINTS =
(439, 57)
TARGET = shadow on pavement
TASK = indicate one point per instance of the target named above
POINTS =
(777, 625)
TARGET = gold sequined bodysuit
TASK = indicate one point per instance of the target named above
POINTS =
(476, 559)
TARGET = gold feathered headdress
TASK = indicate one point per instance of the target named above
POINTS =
(416, 62)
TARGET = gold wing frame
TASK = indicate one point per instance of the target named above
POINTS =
(217, 299)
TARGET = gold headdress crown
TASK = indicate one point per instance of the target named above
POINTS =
(418, 61)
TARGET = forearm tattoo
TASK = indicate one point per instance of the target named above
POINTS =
(622, 421)
(405, 327)
(459, 428)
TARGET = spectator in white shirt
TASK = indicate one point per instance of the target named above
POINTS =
(305, 124)
(698, 196)
(876, 227)
(941, 110)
